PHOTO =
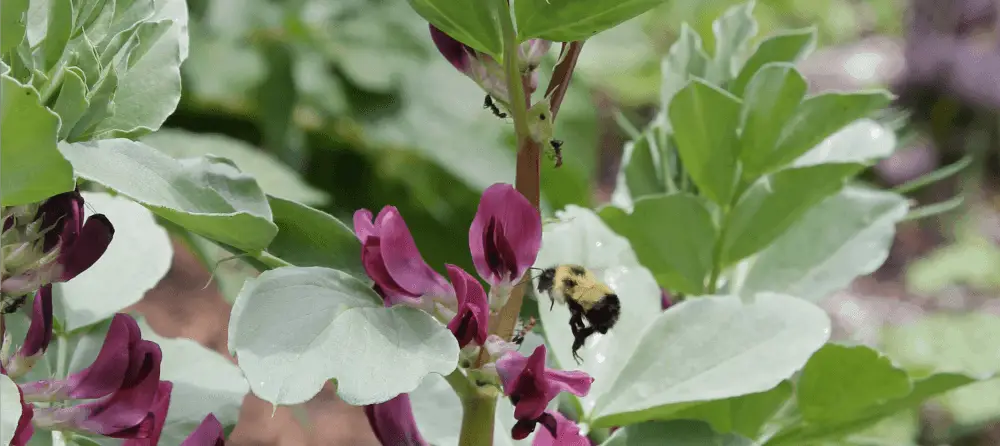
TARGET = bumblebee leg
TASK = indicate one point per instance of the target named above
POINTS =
(579, 338)
(552, 303)
(576, 322)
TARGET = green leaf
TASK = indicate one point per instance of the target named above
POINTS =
(275, 177)
(473, 23)
(744, 415)
(774, 203)
(58, 30)
(438, 413)
(844, 236)
(294, 328)
(101, 98)
(789, 46)
(771, 100)
(817, 118)
(673, 433)
(685, 60)
(672, 235)
(839, 381)
(31, 168)
(310, 237)
(10, 409)
(569, 20)
(710, 348)
(204, 382)
(640, 172)
(862, 141)
(808, 433)
(207, 195)
(704, 120)
(12, 24)
(140, 251)
(953, 343)
(72, 102)
(733, 31)
(151, 88)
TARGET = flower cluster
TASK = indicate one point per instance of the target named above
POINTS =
(504, 239)
(120, 395)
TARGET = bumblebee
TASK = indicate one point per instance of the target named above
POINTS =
(587, 298)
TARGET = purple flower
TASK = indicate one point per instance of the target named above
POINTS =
(24, 429)
(391, 259)
(52, 242)
(149, 431)
(471, 322)
(505, 235)
(485, 70)
(124, 359)
(665, 299)
(393, 423)
(567, 434)
(531, 386)
(39, 334)
(208, 433)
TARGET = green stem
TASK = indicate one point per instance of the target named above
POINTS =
(458, 381)
(478, 415)
(515, 88)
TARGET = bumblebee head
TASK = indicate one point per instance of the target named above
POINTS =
(546, 280)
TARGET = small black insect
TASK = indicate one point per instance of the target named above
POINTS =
(12, 304)
(557, 148)
(489, 104)
(519, 336)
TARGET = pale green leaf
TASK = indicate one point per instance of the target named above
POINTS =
(10, 409)
(293, 328)
(862, 141)
(771, 100)
(824, 393)
(31, 168)
(580, 237)
(101, 98)
(704, 120)
(789, 46)
(774, 203)
(473, 23)
(733, 31)
(13, 20)
(275, 177)
(672, 235)
(204, 382)
(310, 237)
(58, 30)
(744, 415)
(684, 61)
(673, 433)
(208, 195)
(844, 236)
(710, 348)
(72, 102)
(569, 20)
(140, 251)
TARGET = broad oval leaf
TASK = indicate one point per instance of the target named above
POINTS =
(294, 328)
(471, 22)
(710, 348)
(844, 236)
(310, 237)
(733, 31)
(771, 100)
(207, 195)
(569, 20)
(139, 256)
(12, 24)
(674, 433)
(825, 396)
(31, 167)
(704, 120)
(790, 46)
(274, 177)
(10, 409)
(744, 415)
(774, 203)
(685, 60)
(672, 235)
(861, 141)
(580, 237)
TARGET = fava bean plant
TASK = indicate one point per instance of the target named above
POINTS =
(736, 208)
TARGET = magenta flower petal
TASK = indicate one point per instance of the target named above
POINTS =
(567, 433)
(40, 331)
(62, 216)
(531, 386)
(453, 51)
(524, 427)
(148, 432)
(665, 299)
(505, 235)
(208, 433)
(393, 422)
(95, 236)
(24, 429)
(391, 258)
(471, 322)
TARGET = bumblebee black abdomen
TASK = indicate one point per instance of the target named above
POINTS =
(604, 315)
